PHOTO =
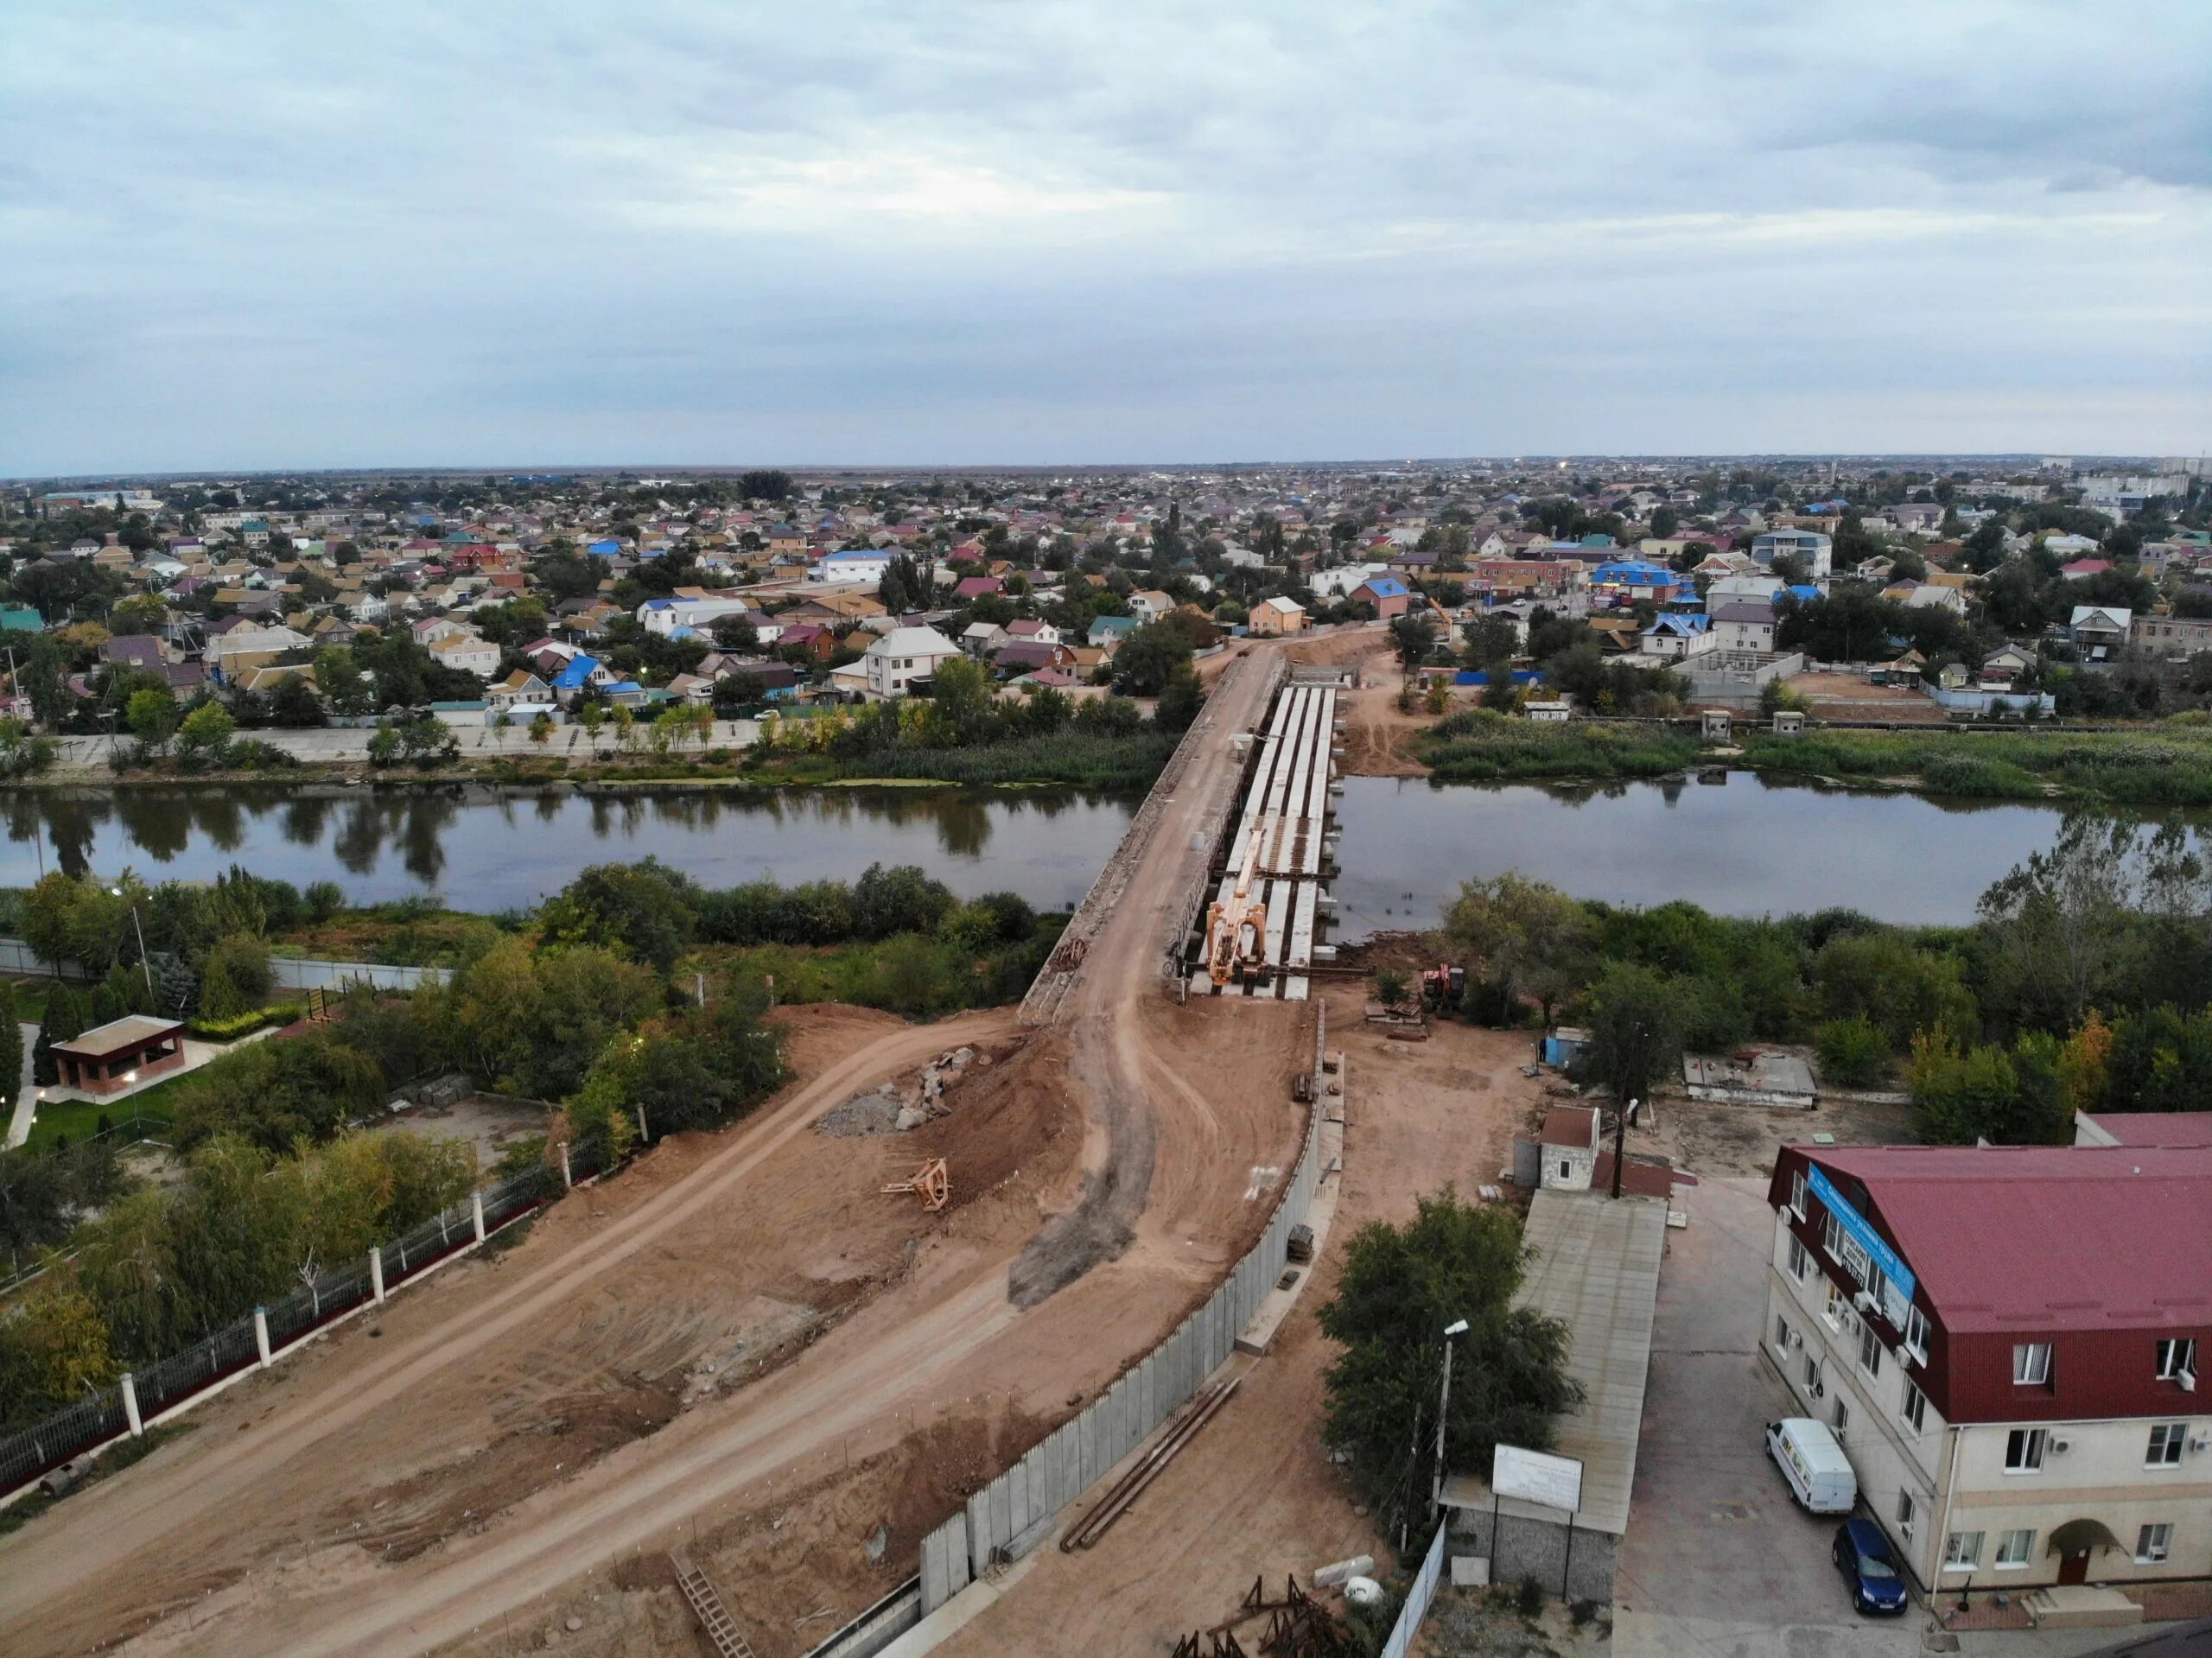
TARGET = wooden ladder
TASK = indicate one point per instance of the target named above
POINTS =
(707, 1604)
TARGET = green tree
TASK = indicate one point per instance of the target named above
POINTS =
(11, 1045)
(54, 1350)
(1635, 1018)
(1180, 698)
(338, 674)
(236, 978)
(1414, 637)
(1518, 936)
(151, 716)
(1402, 1287)
(645, 909)
(205, 733)
(1149, 656)
(1854, 1053)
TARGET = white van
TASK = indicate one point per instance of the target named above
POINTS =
(1819, 1473)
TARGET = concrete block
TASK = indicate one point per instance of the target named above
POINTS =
(1001, 1511)
(1471, 1572)
(1019, 1513)
(1334, 1576)
(979, 1533)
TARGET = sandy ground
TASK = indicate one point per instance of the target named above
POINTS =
(491, 1125)
(738, 1345)
(1255, 1494)
(1848, 697)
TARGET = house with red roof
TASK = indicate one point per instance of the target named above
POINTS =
(2008, 1342)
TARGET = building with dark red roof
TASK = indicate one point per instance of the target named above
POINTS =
(2007, 1339)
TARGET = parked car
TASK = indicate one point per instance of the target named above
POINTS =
(1863, 1555)
(1818, 1473)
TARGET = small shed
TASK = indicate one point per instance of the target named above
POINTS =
(120, 1054)
(1717, 725)
(1563, 1044)
(1789, 722)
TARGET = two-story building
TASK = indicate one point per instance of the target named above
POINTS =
(1816, 550)
(2006, 1340)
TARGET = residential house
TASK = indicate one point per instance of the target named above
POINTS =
(2170, 636)
(233, 650)
(858, 567)
(520, 688)
(1390, 597)
(468, 653)
(904, 658)
(1150, 605)
(1740, 626)
(1106, 632)
(818, 641)
(980, 639)
(1274, 617)
(1623, 581)
(2006, 1340)
(1817, 550)
(1676, 634)
(1031, 631)
(2100, 630)
(693, 612)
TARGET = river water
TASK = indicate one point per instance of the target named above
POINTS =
(1740, 845)
(486, 849)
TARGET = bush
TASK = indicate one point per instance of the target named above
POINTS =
(239, 1025)
(1854, 1053)
(236, 977)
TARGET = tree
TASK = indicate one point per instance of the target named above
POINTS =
(1414, 636)
(1516, 936)
(205, 733)
(646, 910)
(151, 716)
(1179, 699)
(236, 977)
(11, 1045)
(54, 1350)
(343, 684)
(1635, 1020)
(1149, 656)
(1402, 1287)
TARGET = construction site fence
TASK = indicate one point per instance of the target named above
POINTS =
(286, 972)
(1418, 1598)
(168, 1384)
(1018, 1510)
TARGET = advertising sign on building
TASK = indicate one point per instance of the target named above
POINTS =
(1537, 1477)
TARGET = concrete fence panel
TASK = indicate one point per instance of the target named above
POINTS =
(944, 1562)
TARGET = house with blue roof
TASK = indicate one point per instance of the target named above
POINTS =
(607, 548)
(578, 675)
(1390, 597)
(1676, 634)
(1624, 581)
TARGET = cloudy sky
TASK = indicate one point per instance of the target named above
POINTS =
(307, 233)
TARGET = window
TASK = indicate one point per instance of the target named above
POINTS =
(1800, 1262)
(1797, 1194)
(1915, 1407)
(2153, 1542)
(1906, 1513)
(2014, 1549)
(2023, 1449)
(1842, 1415)
(2165, 1444)
(1566, 1169)
(2177, 1359)
(1962, 1550)
(1812, 1373)
(1870, 1351)
(2031, 1364)
(1832, 1236)
(1838, 1311)
(1780, 1334)
(1915, 1333)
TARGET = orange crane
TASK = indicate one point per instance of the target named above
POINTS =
(1236, 927)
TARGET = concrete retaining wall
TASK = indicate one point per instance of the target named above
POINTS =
(297, 973)
(1018, 1510)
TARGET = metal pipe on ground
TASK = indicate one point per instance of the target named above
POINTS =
(1132, 1485)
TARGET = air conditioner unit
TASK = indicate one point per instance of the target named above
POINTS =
(1820, 1390)
(2188, 1379)
(1865, 1302)
(1796, 1338)
(2060, 1447)
(2200, 1445)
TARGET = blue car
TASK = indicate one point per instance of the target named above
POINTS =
(1863, 1555)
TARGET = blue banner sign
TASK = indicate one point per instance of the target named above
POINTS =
(1897, 1292)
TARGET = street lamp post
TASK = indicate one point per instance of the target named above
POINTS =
(144, 966)
(1457, 1327)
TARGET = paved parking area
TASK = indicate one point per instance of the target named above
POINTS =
(1717, 1561)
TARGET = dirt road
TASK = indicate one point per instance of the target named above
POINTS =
(740, 1322)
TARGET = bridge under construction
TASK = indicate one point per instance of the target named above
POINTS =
(1258, 934)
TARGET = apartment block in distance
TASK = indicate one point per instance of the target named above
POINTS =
(2008, 1340)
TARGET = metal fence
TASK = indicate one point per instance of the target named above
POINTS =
(287, 972)
(321, 1298)
(1418, 1598)
(1016, 1511)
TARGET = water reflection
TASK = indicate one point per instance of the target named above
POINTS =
(489, 848)
(1736, 844)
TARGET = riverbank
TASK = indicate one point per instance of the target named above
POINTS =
(2166, 765)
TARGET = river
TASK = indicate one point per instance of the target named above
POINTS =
(1740, 845)
(479, 847)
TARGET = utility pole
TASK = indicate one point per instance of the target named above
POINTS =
(1458, 1327)
(1620, 1141)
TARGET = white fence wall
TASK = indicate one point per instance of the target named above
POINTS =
(296, 973)
(1418, 1598)
(1017, 1510)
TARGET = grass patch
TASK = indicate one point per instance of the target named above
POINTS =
(80, 1119)
(2170, 765)
(1479, 745)
(1071, 758)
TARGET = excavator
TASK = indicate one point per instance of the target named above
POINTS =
(1236, 926)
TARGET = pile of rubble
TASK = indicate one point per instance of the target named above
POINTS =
(899, 1107)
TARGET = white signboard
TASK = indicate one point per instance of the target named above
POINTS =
(1537, 1477)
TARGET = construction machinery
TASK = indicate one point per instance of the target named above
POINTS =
(930, 1183)
(1236, 927)
(1443, 985)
